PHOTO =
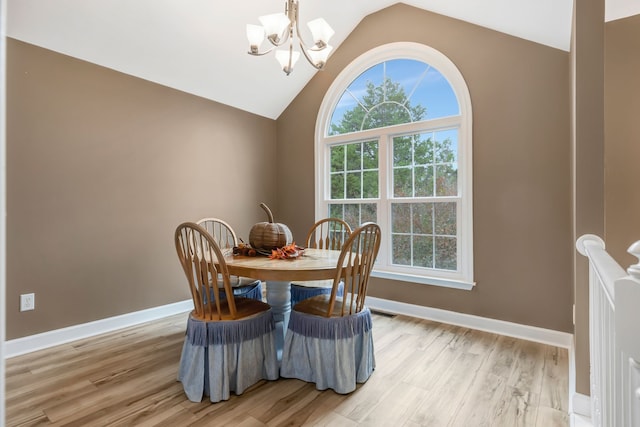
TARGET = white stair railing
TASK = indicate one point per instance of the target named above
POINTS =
(614, 334)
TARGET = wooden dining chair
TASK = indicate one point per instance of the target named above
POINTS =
(227, 239)
(328, 233)
(230, 342)
(329, 339)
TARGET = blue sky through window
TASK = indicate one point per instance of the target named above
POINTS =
(424, 84)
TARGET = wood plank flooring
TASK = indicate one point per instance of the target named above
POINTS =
(427, 374)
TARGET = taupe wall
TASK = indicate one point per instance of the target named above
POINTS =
(622, 137)
(101, 169)
(520, 93)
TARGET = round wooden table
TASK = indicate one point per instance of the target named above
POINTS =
(315, 264)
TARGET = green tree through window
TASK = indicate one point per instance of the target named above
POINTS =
(424, 165)
(384, 105)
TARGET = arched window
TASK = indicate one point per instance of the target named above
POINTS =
(393, 145)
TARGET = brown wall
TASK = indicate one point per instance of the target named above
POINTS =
(520, 93)
(90, 148)
(622, 137)
(101, 168)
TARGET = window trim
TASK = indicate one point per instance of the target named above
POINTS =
(463, 279)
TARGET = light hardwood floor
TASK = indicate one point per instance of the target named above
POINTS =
(427, 374)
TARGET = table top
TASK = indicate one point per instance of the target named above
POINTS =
(315, 264)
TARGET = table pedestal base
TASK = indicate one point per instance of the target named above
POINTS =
(279, 298)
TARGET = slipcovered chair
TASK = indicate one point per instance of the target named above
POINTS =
(329, 339)
(226, 238)
(328, 233)
(230, 342)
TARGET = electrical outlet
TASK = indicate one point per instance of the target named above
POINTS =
(27, 302)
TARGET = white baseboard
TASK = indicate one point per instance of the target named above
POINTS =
(581, 405)
(60, 336)
(36, 342)
(501, 327)
(579, 421)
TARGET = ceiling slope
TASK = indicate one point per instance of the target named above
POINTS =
(199, 46)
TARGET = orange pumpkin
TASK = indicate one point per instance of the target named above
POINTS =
(269, 235)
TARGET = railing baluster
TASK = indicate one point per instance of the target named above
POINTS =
(614, 334)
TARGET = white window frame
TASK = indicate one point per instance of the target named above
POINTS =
(463, 277)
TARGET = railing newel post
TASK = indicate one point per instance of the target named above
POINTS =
(634, 270)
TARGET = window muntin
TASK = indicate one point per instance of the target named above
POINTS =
(354, 170)
(354, 213)
(424, 235)
(425, 164)
(423, 202)
(382, 94)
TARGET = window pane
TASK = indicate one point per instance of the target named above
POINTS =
(447, 146)
(386, 114)
(423, 149)
(354, 185)
(354, 157)
(423, 251)
(401, 218)
(447, 157)
(445, 218)
(336, 211)
(369, 213)
(401, 251)
(337, 186)
(424, 181)
(370, 184)
(446, 253)
(446, 180)
(402, 151)
(347, 119)
(436, 95)
(422, 218)
(352, 215)
(370, 155)
(402, 182)
(337, 158)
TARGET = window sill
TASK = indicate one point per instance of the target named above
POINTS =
(433, 281)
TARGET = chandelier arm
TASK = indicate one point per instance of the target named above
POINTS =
(258, 53)
(303, 45)
(282, 41)
(289, 68)
(303, 48)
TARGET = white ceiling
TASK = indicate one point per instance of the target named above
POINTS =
(199, 46)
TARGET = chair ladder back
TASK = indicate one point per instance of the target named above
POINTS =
(328, 233)
(354, 268)
(370, 245)
(196, 250)
(187, 261)
(223, 234)
(351, 283)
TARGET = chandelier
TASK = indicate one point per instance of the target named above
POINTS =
(281, 28)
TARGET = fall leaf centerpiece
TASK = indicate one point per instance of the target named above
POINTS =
(287, 252)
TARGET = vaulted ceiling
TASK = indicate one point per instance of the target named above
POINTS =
(200, 47)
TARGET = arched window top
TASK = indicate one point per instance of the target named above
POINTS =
(395, 91)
